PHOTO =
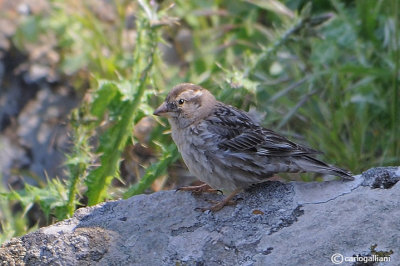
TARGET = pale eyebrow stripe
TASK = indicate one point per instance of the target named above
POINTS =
(191, 93)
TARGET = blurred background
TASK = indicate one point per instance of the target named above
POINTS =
(79, 81)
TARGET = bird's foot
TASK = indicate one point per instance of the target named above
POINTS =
(200, 189)
(219, 205)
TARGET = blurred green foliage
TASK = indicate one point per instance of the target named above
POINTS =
(325, 72)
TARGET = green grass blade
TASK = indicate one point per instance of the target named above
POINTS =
(114, 140)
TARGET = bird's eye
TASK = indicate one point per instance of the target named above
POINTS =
(181, 101)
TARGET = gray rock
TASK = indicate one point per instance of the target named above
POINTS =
(33, 133)
(41, 130)
(272, 224)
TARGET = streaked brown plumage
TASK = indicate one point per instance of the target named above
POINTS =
(225, 148)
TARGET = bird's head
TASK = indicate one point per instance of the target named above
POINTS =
(186, 104)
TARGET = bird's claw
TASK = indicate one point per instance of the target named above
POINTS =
(217, 206)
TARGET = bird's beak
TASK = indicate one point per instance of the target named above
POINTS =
(162, 110)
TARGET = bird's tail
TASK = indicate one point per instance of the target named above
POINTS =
(310, 164)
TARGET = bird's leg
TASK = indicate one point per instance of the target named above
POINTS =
(200, 189)
(227, 201)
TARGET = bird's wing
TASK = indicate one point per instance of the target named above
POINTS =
(239, 133)
(277, 145)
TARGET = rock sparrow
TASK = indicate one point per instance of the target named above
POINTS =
(227, 149)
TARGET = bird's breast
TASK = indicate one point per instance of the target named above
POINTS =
(205, 160)
(196, 151)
